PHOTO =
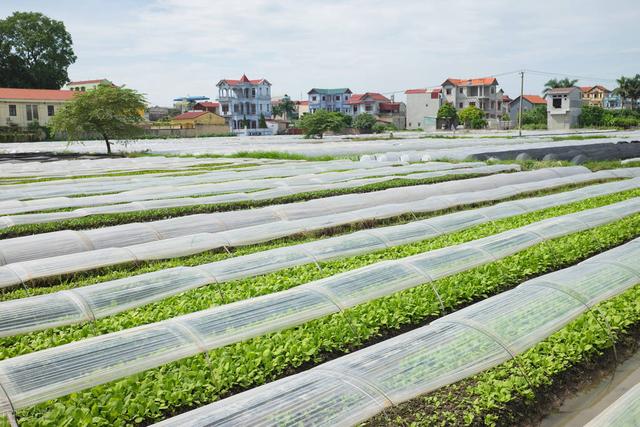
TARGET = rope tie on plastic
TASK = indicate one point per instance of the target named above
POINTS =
(215, 280)
(341, 309)
(195, 338)
(86, 241)
(480, 328)
(81, 303)
(430, 281)
(312, 256)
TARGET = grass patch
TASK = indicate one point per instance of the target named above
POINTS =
(579, 137)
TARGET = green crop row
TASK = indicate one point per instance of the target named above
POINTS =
(44, 286)
(504, 396)
(105, 220)
(219, 294)
(193, 381)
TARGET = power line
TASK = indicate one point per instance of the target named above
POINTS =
(546, 73)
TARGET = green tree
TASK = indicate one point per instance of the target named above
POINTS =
(109, 111)
(285, 108)
(555, 83)
(35, 52)
(364, 122)
(262, 123)
(591, 116)
(448, 113)
(321, 121)
(629, 88)
(537, 116)
(472, 117)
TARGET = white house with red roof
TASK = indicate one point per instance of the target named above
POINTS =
(422, 107)
(84, 85)
(24, 107)
(481, 92)
(243, 101)
(378, 105)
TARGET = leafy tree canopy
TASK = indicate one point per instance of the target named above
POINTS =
(472, 117)
(286, 108)
(535, 116)
(447, 111)
(109, 111)
(262, 122)
(629, 88)
(35, 52)
(364, 122)
(321, 121)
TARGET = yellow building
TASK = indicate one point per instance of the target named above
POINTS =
(594, 95)
(22, 107)
(192, 118)
(84, 85)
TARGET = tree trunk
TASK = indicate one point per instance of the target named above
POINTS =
(106, 139)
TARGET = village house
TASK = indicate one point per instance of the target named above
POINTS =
(529, 103)
(594, 95)
(212, 107)
(564, 105)
(480, 92)
(330, 100)
(381, 107)
(24, 107)
(422, 108)
(84, 85)
(243, 101)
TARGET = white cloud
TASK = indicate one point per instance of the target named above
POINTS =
(168, 48)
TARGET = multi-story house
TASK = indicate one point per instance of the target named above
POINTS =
(84, 85)
(564, 105)
(594, 95)
(330, 100)
(481, 92)
(378, 105)
(24, 107)
(243, 101)
(422, 108)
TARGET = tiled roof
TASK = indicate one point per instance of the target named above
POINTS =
(413, 91)
(190, 115)
(506, 98)
(586, 89)
(434, 92)
(36, 94)
(336, 91)
(390, 106)
(562, 90)
(482, 81)
(358, 98)
(534, 99)
(82, 82)
(243, 79)
(208, 104)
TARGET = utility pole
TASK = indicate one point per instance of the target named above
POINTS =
(520, 104)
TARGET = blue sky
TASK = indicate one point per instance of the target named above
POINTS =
(171, 48)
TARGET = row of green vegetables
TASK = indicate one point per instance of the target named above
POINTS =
(219, 294)
(521, 390)
(195, 381)
(105, 220)
(79, 279)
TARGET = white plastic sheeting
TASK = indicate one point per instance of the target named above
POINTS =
(25, 271)
(58, 371)
(68, 242)
(108, 298)
(624, 412)
(352, 388)
(148, 186)
(261, 190)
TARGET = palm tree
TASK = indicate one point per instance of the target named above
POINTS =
(286, 108)
(555, 83)
(629, 88)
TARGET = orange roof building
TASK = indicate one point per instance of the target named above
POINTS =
(481, 92)
(24, 107)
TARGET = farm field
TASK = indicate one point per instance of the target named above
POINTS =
(396, 288)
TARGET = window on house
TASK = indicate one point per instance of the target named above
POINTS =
(448, 91)
(557, 102)
(32, 112)
(314, 98)
(346, 97)
(12, 110)
(461, 90)
(460, 105)
(50, 110)
(324, 98)
(337, 98)
(368, 108)
(493, 89)
(253, 92)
